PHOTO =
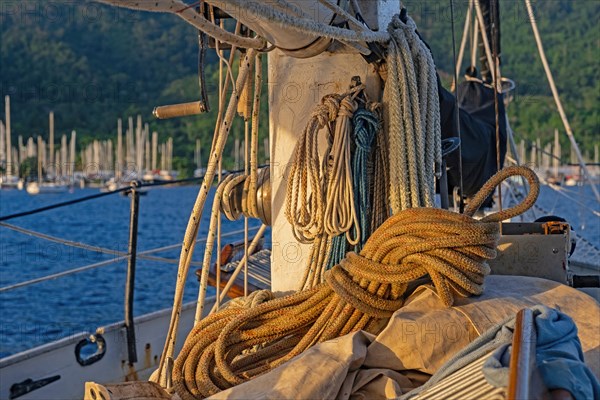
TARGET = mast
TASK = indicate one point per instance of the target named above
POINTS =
(147, 147)
(63, 155)
(267, 155)
(2, 143)
(43, 155)
(170, 154)
(163, 156)
(39, 159)
(119, 160)
(31, 148)
(324, 71)
(154, 150)
(139, 149)
(236, 154)
(129, 143)
(557, 156)
(72, 154)
(197, 157)
(492, 35)
(51, 139)
(148, 156)
(21, 149)
(8, 134)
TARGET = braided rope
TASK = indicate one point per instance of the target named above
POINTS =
(319, 194)
(304, 193)
(340, 212)
(362, 289)
(366, 126)
(381, 181)
(191, 232)
(208, 251)
(253, 188)
(412, 118)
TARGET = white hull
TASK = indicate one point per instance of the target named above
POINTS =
(34, 188)
(58, 359)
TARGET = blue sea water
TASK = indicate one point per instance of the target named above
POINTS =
(51, 310)
(55, 309)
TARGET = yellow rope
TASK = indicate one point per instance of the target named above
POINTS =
(364, 288)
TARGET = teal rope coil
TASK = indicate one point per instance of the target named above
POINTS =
(366, 125)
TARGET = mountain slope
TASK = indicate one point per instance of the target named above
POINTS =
(92, 64)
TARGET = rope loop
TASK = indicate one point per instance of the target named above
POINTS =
(494, 181)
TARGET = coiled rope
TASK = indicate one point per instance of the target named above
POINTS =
(340, 212)
(319, 199)
(412, 117)
(364, 288)
(366, 125)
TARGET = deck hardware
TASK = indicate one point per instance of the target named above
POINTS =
(100, 343)
(130, 280)
(29, 385)
(179, 110)
(449, 145)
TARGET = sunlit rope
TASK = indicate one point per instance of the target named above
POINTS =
(364, 288)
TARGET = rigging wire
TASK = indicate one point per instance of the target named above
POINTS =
(457, 113)
(102, 264)
(137, 185)
(497, 80)
(561, 111)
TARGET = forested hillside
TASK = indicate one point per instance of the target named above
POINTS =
(92, 64)
(571, 37)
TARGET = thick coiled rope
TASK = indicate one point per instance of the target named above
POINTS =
(412, 118)
(364, 288)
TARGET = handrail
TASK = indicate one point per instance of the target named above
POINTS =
(104, 263)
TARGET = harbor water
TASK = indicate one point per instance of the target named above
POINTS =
(55, 309)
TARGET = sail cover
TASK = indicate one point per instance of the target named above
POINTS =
(419, 339)
(477, 132)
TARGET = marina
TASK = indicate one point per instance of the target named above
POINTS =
(328, 215)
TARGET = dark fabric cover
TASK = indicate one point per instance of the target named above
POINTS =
(477, 131)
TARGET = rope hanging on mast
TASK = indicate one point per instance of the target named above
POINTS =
(411, 117)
